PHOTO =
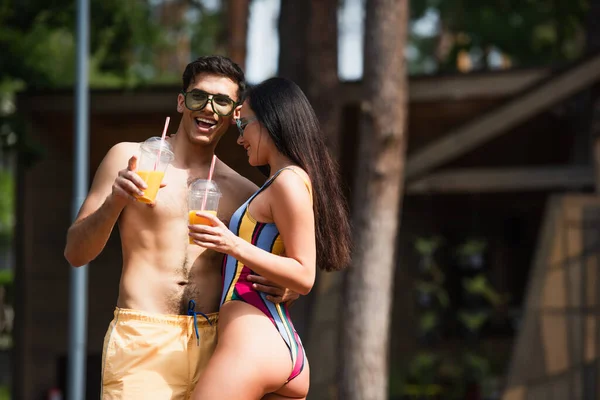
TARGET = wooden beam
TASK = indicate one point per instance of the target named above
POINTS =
(475, 85)
(478, 180)
(503, 118)
(104, 102)
(461, 86)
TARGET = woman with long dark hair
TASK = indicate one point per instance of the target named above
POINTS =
(295, 222)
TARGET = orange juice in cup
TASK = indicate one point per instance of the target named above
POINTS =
(155, 157)
(153, 179)
(198, 220)
(202, 195)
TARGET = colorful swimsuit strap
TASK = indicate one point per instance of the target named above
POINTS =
(264, 186)
(305, 179)
(276, 174)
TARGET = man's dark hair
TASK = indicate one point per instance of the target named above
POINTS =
(215, 65)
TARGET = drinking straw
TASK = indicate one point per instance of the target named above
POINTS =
(162, 142)
(210, 174)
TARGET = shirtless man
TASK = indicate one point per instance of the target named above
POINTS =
(164, 326)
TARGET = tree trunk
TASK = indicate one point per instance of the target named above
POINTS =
(593, 46)
(174, 58)
(593, 30)
(293, 41)
(292, 64)
(323, 305)
(313, 25)
(378, 194)
(237, 13)
(323, 80)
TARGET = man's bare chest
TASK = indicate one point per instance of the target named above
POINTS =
(172, 199)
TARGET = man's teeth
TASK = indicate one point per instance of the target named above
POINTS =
(206, 121)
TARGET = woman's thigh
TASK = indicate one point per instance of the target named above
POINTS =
(251, 358)
(225, 377)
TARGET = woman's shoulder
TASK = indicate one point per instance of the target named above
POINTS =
(292, 181)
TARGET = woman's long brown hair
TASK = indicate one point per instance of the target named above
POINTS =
(283, 109)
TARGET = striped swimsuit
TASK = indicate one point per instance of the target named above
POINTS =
(236, 286)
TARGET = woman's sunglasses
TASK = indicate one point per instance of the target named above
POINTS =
(242, 123)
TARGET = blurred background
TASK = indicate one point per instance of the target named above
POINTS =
(495, 289)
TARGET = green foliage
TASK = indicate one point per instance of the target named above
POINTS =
(423, 367)
(7, 283)
(428, 321)
(6, 277)
(33, 34)
(125, 38)
(448, 373)
(480, 286)
(473, 320)
(530, 32)
(6, 206)
(38, 47)
(436, 290)
(13, 135)
(477, 367)
(427, 245)
(471, 247)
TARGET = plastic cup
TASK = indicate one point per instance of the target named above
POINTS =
(203, 195)
(155, 157)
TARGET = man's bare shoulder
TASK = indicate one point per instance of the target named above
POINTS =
(235, 182)
(125, 148)
(119, 154)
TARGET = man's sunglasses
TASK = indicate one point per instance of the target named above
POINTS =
(242, 123)
(196, 100)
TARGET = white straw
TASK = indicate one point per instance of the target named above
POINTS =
(210, 174)
(162, 141)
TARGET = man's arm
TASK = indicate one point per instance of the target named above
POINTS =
(111, 191)
(275, 293)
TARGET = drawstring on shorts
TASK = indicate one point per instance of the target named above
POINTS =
(193, 313)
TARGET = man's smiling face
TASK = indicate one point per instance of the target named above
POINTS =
(206, 126)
